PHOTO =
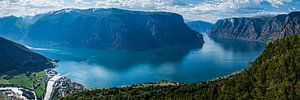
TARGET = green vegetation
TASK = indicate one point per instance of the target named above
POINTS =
(39, 74)
(16, 59)
(2, 97)
(40, 90)
(3, 81)
(22, 80)
(28, 81)
(273, 75)
(159, 84)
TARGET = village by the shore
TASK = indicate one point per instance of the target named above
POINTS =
(56, 86)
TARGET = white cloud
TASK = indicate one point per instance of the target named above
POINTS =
(209, 10)
(278, 3)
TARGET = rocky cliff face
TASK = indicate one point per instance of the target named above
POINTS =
(264, 29)
(272, 28)
(111, 29)
(15, 58)
(238, 28)
(292, 25)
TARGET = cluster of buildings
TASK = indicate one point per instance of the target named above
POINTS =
(10, 95)
(17, 93)
(62, 87)
(65, 86)
(50, 73)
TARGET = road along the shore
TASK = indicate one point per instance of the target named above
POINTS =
(50, 86)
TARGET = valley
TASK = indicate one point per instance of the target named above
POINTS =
(149, 50)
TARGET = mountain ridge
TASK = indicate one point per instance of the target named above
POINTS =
(261, 29)
(110, 29)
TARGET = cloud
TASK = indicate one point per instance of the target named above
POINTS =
(209, 10)
(278, 3)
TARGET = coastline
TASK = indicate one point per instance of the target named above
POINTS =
(59, 85)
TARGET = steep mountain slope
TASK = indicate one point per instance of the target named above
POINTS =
(238, 28)
(11, 27)
(200, 26)
(292, 24)
(15, 59)
(111, 29)
(262, 29)
(272, 28)
(273, 75)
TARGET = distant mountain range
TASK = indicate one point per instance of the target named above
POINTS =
(16, 58)
(11, 27)
(262, 29)
(101, 29)
(200, 26)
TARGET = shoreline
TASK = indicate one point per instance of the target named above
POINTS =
(59, 85)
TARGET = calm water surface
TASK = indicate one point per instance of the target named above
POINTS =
(188, 64)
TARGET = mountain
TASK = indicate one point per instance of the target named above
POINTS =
(272, 28)
(238, 28)
(16, 58)
(110, 29)
(11, 27)
(292, 24)
(261, 29)
(200, 26)
(275, 74)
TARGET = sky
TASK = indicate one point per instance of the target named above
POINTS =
(206, 10)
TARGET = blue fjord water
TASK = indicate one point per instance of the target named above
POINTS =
(109, 68)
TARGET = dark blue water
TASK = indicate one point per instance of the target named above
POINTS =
(188, 64)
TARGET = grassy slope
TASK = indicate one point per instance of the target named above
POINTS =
(273, 75)
(22, 80)
(40, 90)
(28, 81)
(2, 97)
(3, 81)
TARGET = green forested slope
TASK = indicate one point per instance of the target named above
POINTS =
(16, 58)
(273, 75)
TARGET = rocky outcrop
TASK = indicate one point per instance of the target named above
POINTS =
(16, 58)
(263, 29)
(111, 29)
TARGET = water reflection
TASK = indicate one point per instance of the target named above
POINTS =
(122, 60)
(244, 46)
(106, 68)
